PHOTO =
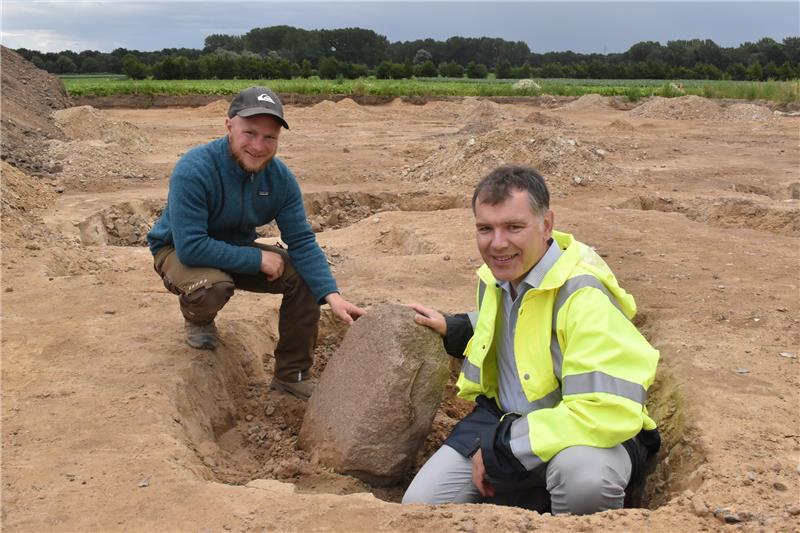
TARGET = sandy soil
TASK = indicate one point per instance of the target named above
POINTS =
(110, 422)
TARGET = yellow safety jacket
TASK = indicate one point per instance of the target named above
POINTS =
(581, 362)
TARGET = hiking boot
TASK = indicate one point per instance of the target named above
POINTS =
(201, 336)
(301, 389)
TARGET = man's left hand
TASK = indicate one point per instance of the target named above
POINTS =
(344, 310)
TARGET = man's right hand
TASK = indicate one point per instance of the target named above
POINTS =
(479, 477)
(272, 265)
(430, 318)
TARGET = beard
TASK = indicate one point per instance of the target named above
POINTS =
(237, 156)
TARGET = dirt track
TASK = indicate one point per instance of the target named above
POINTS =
(110, 422)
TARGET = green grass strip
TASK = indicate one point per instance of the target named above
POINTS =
(777, 91)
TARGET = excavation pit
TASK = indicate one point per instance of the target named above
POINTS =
(240, 430)
(122, 224)
(725, 212)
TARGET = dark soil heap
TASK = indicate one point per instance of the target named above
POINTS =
(29, 96)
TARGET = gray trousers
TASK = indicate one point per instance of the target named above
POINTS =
(578, 480)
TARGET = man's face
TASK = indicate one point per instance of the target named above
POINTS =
(253, 140)
(511, 237)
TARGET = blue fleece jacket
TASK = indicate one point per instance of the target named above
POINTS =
(214, 207)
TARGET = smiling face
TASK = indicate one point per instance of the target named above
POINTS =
(253, 140)
(511, 237)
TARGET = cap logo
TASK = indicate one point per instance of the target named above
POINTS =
(265, 98)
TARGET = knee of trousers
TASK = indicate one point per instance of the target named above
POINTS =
(298, 291)
(206, 301)
(577, 489)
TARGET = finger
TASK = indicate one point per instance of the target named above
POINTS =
(421, 319)
(476, 480)
(421, 309)
(482, 489)
(345, 317)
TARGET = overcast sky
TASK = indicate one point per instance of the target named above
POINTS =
(588, 26)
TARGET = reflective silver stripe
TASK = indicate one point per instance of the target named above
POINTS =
(575, 284)
(473, 316)
(471, 372)
(564, 292)
(546, 402)
(555, 353)
(521, 444)
(602, 382)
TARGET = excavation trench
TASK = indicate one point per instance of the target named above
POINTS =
(241, 431)
(127, 223)
(753, 212)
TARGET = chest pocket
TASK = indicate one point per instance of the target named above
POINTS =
(264, 205)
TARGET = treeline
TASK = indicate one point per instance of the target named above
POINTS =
(283, 52)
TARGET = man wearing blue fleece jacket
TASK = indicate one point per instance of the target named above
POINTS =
(204, 245)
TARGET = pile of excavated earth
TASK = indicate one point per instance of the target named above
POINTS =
(110, 422)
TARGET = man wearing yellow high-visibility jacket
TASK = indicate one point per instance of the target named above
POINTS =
(558, 371)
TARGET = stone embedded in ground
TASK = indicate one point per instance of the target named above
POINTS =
(376, 399)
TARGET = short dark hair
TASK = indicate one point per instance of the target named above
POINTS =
(499, 184)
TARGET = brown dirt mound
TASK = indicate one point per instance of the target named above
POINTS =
(562, 160)
(347, 103)
(217, 108)
(325, 106)
(100, 150)
(683, 108)
(537, 117)
(344, 110)
(588, 101)
(697, 108)
(23, 197)
(95, 165)
(621, 125)
(88, 123)
(481, 116)
(744, 112)
(29, 96)
(476, 109)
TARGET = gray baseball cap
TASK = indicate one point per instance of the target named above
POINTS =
(257, 101)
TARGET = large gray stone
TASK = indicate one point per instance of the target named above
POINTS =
(376, 399)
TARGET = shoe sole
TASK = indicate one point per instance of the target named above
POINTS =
(284, 388)
(203, 346)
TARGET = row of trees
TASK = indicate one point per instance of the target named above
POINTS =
(284, 51)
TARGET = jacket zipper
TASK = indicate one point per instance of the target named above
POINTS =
(242, 199)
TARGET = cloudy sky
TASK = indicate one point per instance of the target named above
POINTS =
(586, 26)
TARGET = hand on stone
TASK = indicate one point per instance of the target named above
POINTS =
(430, 318)
(344, 310)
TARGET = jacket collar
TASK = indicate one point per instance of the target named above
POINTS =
(556, 268)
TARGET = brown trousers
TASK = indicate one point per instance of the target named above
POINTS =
(204, 291)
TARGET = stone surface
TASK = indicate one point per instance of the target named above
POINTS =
(376, 399)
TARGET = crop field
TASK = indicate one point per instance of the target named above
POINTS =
(784, 92)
